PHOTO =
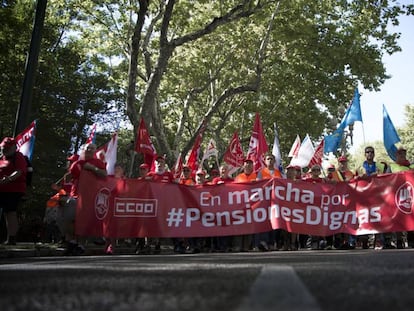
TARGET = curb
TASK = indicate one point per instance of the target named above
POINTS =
(22, 250)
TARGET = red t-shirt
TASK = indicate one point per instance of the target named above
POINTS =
(314, 180)
(164, 177)
(76, 169)
(17, 162)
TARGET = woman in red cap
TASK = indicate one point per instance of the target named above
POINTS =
(13, 168)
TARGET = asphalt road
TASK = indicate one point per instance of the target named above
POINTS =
(304, 280)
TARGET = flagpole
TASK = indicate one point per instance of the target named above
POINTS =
(25, 104)
(131, 166)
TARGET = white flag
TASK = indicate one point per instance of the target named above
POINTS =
(276, 151)
(211, 151)
(111, 154)
(305, 153)
(295, 147)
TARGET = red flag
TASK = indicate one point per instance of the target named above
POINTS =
(258, 145)
(91, 138)
(25, 140)
(178, 167)
(144, 144)
(318, 155)
(234, 154)
(192, 160)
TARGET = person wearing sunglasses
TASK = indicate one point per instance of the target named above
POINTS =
(370, 167)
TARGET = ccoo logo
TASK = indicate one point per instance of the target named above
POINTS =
(102, 203)
(404, 198)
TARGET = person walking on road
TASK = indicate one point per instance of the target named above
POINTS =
(13, 168)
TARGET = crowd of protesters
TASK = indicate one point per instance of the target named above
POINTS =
(60, 213)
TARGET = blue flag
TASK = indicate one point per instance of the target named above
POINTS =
(352, 114)
(390, 134)
(333, 141)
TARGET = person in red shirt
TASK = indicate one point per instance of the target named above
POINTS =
(220, 243)
(58, 201)
(141, 244)
(315, 173)
(160, 174)
(224, 176)
(213, 174)
(87, 162)
(13, 168)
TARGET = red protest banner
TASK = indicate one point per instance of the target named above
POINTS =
(131, 208)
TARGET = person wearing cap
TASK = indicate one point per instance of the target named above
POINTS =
(141, 244)
(220, 243)
(13, 168)
(214, 173)
(248, 173)
(143, 171)
(191, 245)
(296, 170)
(342, 173)
(86, 162)
(200, 177)
(160, 173)
(401, 163)
(186, 178)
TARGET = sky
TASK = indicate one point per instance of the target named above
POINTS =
(395, 93)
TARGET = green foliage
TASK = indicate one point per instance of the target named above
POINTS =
(72, 91)
(406, 133)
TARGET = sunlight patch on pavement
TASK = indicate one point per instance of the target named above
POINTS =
(279, 288)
